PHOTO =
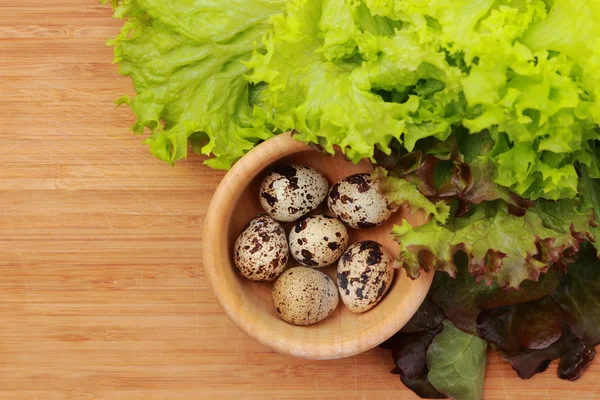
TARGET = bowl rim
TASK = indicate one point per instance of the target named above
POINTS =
(246, 169)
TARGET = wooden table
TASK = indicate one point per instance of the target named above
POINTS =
(102, 290)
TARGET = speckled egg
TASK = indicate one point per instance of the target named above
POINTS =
(261, 251)
(364, 274)
(291, 191)
(304, 296)
(318, 240)
(357, 202)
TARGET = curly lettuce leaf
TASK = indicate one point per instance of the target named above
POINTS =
(579, 22)
(590, 194)
(502, 248)
(185, 60)
(363, 75)
(369, 75)
(330, 74)
(440, 176)
(401, 192)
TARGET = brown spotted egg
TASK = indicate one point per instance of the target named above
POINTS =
(291, 191)
(364, 274)
(304, 296)
(318, 240)
(357, 202)
(261, 251)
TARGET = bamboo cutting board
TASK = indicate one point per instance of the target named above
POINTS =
(102, 290)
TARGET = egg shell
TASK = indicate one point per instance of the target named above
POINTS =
(261, 251)
(357, 202)
(291, 191)
(364, 274)
(304, 296)
(318, 240)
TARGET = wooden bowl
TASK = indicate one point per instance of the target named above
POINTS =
(249, 304)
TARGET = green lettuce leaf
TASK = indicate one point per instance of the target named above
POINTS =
(400, 193)
(579, 21)
(456, 362)
(502, 248)
(369, 75)
(427, 68)
(590, 194)
(323, 72)
(185, 60)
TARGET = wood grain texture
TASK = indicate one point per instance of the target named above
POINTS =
(102, 290)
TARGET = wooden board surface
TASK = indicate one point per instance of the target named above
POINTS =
(102, 291)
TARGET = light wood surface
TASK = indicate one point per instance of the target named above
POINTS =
(102, 290)
(249, 304)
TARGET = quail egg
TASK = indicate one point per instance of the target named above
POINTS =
(261, 251)
(291, 191)
(357, 202)
(304, 296)
(364, 274)
(318, 240)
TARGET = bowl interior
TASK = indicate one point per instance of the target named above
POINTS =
(249, 303)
